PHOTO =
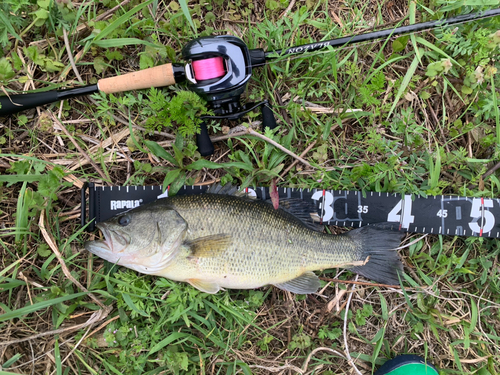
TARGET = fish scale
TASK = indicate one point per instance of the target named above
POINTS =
(237, 242)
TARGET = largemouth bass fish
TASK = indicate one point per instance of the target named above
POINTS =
(215, 241)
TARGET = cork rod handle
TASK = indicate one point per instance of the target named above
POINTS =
(158, 76)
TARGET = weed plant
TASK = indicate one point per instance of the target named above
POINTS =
(417, 114)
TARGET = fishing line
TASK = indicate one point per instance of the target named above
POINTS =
(208, 68)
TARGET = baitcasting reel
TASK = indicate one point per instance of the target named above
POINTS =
(218, 70)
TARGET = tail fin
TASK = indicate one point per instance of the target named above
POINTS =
(378, 244)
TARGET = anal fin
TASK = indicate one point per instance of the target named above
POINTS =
(306, 283)
(204, 286)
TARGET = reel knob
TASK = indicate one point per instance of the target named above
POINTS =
(205, 146)
(268, 119)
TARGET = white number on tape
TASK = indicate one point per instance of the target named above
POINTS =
(401, 213)
(486, 217)
(442, 213)
(326, 205)
(362, 209)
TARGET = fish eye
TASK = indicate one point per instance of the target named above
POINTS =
(124, 220)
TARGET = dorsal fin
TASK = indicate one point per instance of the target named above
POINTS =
(302, 210)
(226, 189)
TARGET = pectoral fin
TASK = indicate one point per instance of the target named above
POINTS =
(304, 284)
(209, 246)
(204, 286)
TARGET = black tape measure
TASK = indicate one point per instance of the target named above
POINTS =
(440, 214)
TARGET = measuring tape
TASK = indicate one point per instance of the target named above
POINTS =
(439, 214)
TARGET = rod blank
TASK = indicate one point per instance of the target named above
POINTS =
(381, 34)
(17, 103)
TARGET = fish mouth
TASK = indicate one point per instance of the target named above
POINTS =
(99, 248)
(113, 244)
(116, 242)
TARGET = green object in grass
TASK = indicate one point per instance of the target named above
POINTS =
(407, 364)
(413, 369)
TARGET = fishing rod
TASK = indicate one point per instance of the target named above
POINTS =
(218, 69)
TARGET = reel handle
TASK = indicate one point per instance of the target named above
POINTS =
(205, 146)
(203, 141)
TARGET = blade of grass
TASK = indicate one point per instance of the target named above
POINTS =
(496, 109)
(441, 248)
(407, 298)
(22, 213)
(131, 304)
(121, 42)
(108, 365)
(12, 179)
(404, 84)
(458, 94)
(378, 346)
(11, 285)
(84, 362)
(383, 305)
(460, 4)
(457, 359)
(434, 168)
(202, 163)
(25, 157)
(412, 11)
(185, 10)
(6, 269)
(170, 339)
(11, 361)
(9, 26)
(473, 322)
(388, 62)
(57, 356)
(436, 49)
(38, 306)
(118, 22)
(155, 7)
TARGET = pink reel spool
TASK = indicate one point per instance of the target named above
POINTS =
(208, 68)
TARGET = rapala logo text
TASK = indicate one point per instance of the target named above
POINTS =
(118, 205)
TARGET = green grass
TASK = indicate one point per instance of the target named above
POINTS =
(426, 121)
